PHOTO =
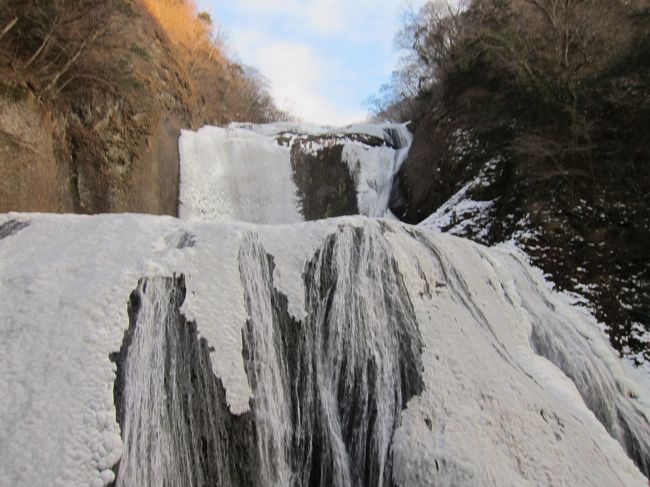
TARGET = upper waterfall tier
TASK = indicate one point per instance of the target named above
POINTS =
(289, 172)
(343, 352)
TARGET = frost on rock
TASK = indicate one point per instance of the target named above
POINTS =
(351, 352)
(11, 227)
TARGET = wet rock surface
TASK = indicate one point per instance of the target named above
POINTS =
(325, 187)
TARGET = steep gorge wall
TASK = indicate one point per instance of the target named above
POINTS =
(105, 138)
(105, 144)
(31, 178)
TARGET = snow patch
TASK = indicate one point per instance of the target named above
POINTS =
(463, 216)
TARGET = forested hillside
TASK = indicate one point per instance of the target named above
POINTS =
(531, 115)
(93, 94)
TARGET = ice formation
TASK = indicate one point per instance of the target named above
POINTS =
(348, 351)
(236, 175)
(246, 172)
(140, 351)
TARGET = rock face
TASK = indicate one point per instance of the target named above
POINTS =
(100, 147)
(325, 185)
(442, 158)
(32, 176)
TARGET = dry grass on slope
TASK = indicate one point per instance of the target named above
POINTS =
(111, 104)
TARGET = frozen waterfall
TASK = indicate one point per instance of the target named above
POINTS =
(244, 346)
(149, 351)
(284, 172)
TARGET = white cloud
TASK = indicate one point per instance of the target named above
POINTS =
(322, 15)
(328, 16)
(290, 42)
(297, 74)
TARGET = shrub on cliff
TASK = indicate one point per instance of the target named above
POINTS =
(46, 42)
(51, 46)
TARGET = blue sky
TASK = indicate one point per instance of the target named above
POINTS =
(323, 57)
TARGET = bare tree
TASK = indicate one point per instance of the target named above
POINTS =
(48, 40)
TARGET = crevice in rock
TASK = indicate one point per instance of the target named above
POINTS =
(12, 227)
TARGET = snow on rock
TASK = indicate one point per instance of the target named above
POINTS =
(491, 409)
(397, 135)
(461, 214)
(244, 172)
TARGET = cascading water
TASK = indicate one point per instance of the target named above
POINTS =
(285, 173)
(235, 175)
(362, 360)
(266, 365)
(328, 388)
(147, 421)
(328, 391)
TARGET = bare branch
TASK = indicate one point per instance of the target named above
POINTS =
(8, 27)
(97, 79)
(43, 45)
(551, 18)
(68, 65)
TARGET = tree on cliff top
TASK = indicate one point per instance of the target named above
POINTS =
(225, 90)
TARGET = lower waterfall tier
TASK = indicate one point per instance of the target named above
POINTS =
(144, 351)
